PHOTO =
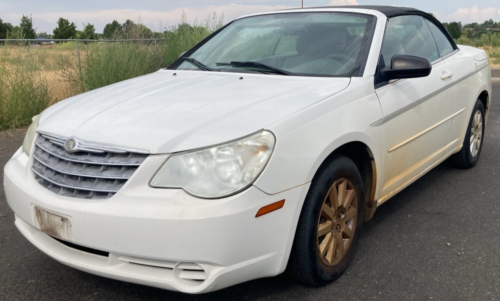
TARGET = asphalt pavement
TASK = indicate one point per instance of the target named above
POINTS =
(439, 239)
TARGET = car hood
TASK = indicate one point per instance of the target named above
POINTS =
(171, 111)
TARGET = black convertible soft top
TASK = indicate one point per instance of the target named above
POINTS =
(389, 11)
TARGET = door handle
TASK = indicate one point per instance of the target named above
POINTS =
(446, 75)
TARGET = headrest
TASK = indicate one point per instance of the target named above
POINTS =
(414, 45)
(322, 41)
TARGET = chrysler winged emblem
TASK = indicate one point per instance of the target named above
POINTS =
(70, 145)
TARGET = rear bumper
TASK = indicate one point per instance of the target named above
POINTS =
(153, 236)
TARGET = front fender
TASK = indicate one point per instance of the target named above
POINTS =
(307, 138)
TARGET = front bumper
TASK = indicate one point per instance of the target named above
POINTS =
(161, 237)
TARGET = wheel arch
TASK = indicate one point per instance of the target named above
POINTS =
(484, 96)
(363, 157)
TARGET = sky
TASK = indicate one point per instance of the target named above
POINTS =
(158, 14)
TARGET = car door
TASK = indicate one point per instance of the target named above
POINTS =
(462, 67)
(417, 112)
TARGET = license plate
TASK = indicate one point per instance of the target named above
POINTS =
(53, 224)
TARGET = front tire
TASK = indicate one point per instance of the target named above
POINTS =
(329, 223)
(473, 142)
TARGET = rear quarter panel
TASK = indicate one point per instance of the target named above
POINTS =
(472, 74)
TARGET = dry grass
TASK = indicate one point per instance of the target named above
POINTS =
(57, 64)
(493, 55)
(52, 62)
(31, 78)
(48, 62)
(490, 42)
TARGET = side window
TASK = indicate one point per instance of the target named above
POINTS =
(442, 41)
(408, 35)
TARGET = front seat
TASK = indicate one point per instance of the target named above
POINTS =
(316, 43)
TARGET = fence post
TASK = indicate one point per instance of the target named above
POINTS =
(155, 46)
(79, 62)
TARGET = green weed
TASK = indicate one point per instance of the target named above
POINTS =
(23, 94)
(33, 78)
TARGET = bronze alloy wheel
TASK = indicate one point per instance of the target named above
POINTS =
(473, 141)
(329, 223)
(337, 222)
(476, 133)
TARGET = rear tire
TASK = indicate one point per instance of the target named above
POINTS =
(329, 224)
(473, 142)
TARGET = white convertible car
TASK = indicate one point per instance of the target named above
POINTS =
(261, 150)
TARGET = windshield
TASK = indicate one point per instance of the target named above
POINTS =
(306, 44)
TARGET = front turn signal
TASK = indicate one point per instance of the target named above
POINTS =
(270, 208)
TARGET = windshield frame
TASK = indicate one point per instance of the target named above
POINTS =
(369, 34)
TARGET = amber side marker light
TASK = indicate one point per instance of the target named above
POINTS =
(270, 208)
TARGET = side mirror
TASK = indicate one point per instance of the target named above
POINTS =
(407, 66)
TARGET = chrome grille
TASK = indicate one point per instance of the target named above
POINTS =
(88, 173)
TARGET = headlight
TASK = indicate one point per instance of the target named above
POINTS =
(30, 135)
(218, 171)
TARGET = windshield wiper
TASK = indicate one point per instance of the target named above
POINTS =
(198, 64)
(255, 65)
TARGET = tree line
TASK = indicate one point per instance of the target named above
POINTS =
(472, 30)
(68, 30)
(130, 30)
